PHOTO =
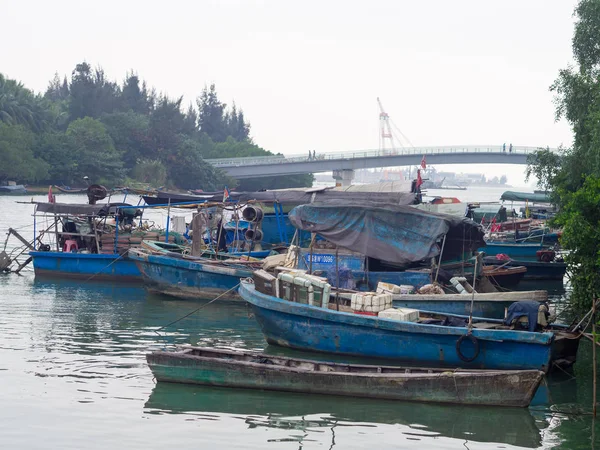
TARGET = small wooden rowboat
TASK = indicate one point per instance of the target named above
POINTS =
(245, 369)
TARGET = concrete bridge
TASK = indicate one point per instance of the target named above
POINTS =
(344, 164)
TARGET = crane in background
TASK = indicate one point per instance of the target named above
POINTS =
(388, 139)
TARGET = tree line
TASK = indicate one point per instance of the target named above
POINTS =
(573, 175)
(122, 133)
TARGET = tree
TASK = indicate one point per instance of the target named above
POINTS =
(573, 175)
(19, 106)
(190, 171)
(503, 179)
(211, 118)
(16, 154)
(151, 172)
(131, 134)
(94, 152)
(91, 94)
(133, 97)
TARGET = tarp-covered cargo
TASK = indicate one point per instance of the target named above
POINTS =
(393, 233)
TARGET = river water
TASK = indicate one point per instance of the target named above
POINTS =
(73, 375)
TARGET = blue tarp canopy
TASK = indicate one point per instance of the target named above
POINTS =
(393, 233)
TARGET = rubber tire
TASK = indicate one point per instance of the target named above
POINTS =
(475, 343)
(546, 258)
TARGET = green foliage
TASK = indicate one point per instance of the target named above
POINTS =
(131, 134)
(580, 220)
(91, 126)
(191, 171)
(96, 156)
(217, 122)
(573, 175)
(151, 172)
(19, 106)
(16, 155)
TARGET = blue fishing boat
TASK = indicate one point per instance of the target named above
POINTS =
(112, 267)
(189, 277)
(306, 327)
(515, 250)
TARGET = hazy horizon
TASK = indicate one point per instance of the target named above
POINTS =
(308, 75)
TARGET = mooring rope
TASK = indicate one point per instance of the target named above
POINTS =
(197, 309)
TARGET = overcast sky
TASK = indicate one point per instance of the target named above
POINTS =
(307, 73)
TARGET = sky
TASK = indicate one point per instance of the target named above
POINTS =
(308, 74)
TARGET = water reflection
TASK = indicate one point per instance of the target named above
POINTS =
(513, 426)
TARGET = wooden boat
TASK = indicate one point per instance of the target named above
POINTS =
(490, 345)
(536, 270)
(512, 249)
(70, 190)
(13, 189)
(243, 369)
(190, 278)
(505, 277)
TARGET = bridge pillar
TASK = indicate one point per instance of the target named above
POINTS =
(343, 178)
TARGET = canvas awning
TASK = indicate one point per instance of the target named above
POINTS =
(393, 233)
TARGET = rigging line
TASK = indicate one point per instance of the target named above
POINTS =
(401, 133)
(106, 267)
(197, 309)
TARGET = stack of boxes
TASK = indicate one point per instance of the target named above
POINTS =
(370, 303)
(298, 286)
(380, 303)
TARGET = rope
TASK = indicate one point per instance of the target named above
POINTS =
(197, 309)
(106, 267)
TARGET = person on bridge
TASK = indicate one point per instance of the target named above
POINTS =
(510, 148)
(504, 147)
(315, 155)
(309, 155)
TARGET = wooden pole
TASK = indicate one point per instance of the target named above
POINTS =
(440, 259)
(594, 369)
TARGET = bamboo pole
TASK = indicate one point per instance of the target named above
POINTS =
(594, 369)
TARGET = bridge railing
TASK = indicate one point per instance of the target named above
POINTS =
(424, 151)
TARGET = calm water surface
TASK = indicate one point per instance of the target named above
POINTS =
(73, 375)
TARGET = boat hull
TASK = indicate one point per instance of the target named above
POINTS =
(486, 388)
(511, 249)
(85, 265)
(306, 327)
(492, 309)
(536, 270)
(186, 278)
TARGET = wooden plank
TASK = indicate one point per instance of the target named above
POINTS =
(21, 238)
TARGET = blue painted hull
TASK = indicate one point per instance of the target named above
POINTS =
(511, 249)
(188, 279)
(85, 265)
(317, 329)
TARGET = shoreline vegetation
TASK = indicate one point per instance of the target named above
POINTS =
(122, 134)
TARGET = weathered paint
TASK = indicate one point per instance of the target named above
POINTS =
(492, 309)
(85, 265)
(512, 249)
(187, 278)
(311, 328)
(260, 371)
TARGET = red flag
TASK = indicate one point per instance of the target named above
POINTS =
(419, 179)
(423, 163)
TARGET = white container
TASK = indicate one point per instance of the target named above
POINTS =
(401, 314)
(387, 288)
(407, 289)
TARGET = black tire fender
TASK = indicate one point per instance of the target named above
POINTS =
(475, 343)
